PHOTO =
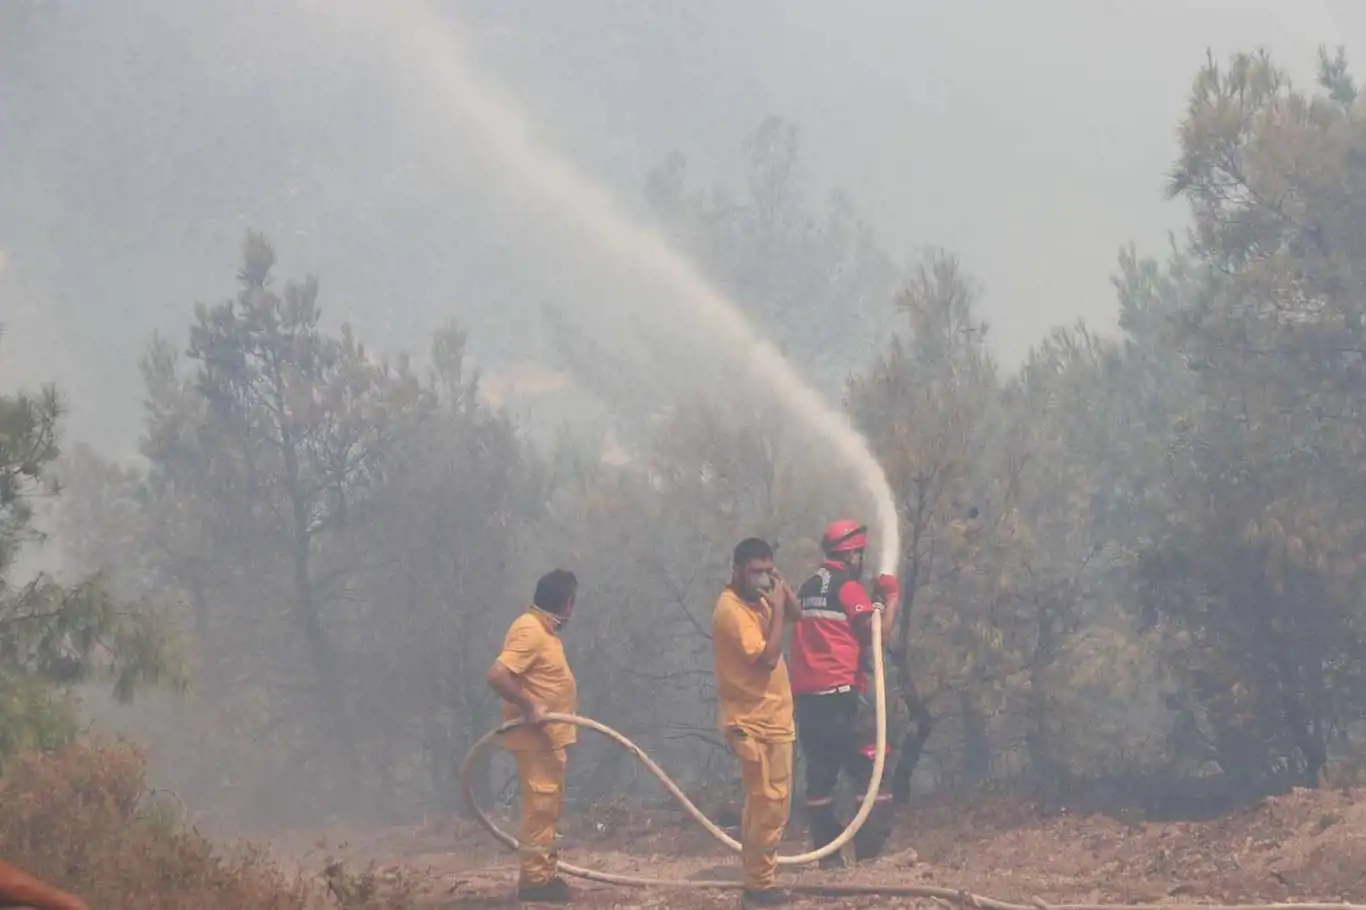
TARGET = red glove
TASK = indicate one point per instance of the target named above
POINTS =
(887, 586)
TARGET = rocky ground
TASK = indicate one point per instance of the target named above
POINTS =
(1305, 845)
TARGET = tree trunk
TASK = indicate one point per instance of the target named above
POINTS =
(310, 622)
(306, 614)
(199, 606)
(1313, 750)
(1038, 743)
(446, 771)
(922, 721)
(976, 743)
(912, 743)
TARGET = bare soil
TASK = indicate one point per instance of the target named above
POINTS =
(1307, 845)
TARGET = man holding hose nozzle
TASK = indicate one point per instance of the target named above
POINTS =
(831, 663)
(533, 678)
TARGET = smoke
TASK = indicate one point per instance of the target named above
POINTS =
(432, 58)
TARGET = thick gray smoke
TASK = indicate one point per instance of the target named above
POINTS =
(681, 303)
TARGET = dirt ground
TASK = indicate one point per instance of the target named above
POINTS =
(1302, 846)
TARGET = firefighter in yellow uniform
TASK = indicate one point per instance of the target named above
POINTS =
(756, 708)
(533, 678)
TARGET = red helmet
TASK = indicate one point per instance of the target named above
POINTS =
(844, 536)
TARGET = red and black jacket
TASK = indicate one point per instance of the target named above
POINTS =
(828, 650)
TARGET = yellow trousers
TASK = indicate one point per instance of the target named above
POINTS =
(766, 771)
(541, 774)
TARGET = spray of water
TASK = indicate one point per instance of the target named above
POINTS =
(429, 47)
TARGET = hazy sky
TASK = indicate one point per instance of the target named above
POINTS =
(138, 138)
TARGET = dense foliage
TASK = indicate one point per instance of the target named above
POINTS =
(55, 636)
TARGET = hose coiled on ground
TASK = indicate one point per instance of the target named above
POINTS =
(976, 901)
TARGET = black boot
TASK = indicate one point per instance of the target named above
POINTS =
(825, 827)
(555, 891)
(872, 838)
(867, 849)
(768, 897)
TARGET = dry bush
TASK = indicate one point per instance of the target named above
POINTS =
(77, 818)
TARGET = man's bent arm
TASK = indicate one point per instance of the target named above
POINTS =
(761, 645)
(783, 602)
(773, 639)
(889, 618)
(786, 599)
(794, 606)
(506, 684)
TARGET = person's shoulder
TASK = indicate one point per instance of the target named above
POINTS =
(729, 600)
(853, 588)
(527, 626)
(728, 606)
(853, 597)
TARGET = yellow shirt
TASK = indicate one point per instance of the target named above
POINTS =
(535, 655)
(751, 696)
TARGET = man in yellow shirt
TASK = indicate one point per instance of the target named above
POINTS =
(533, 678)
(755, 702)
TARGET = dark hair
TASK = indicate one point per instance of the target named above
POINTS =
(554, 590)
(752, 548)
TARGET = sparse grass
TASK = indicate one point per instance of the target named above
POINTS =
(369, 890)
(82, 817)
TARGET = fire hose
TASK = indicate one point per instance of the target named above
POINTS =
(828, 889)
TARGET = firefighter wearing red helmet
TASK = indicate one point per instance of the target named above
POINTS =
(830, 663)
